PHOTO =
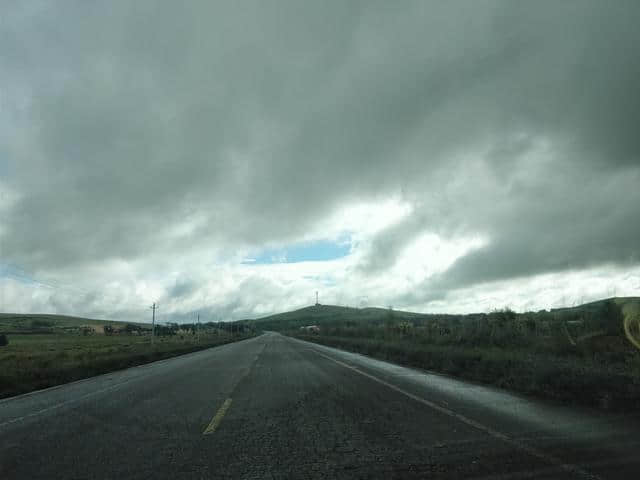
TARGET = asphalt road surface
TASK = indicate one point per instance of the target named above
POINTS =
(275, 407)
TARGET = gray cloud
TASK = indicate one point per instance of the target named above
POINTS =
(140, 130)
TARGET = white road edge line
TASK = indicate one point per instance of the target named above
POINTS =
(567, 467)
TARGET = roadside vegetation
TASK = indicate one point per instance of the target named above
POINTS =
(40, 351)
(582, 355)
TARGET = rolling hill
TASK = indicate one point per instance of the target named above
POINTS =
(19, 323)
(325, 314)
(611, 316)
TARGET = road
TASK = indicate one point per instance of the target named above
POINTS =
(275, 407)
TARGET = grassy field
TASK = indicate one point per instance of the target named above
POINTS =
(582, 355)
(51, 351)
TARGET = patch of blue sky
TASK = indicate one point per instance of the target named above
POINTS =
(316, 251)
(8, 270)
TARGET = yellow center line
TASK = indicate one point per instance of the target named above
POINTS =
(215, 422)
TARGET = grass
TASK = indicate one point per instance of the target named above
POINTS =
(33, 361)
(569, 379)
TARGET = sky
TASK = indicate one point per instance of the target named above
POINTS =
(233, 158)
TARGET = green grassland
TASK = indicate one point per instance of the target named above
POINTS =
(47, 350)
(583, 354)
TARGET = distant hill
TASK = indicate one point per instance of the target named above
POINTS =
(323, 314)
(48, 323)
(622, 302)
(332, 314)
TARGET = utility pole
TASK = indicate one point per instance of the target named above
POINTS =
(153, 321)
(317, 298)
(198, 334)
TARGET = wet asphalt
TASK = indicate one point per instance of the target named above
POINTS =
(275, 407)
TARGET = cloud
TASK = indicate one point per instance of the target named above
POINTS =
(152, 142)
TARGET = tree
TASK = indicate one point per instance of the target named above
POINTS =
(4, 340)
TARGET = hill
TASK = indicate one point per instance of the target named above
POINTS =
(623, 302)
(332, 314)
(24, 323)
(599, 315)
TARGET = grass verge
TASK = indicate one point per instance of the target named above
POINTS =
(33, 362)
(569, 380)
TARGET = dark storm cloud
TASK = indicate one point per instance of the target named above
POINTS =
(248, 121)
(574, 224)
(138, 115)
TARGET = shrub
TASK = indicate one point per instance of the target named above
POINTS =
(4, 340)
